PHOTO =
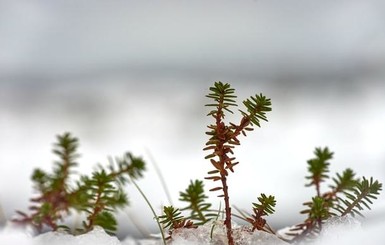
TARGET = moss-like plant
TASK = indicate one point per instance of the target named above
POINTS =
(97, 196)
(224, 137)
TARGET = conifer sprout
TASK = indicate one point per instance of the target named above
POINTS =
(224, 137)
(199, 209)
(348, 195)
(98, 196)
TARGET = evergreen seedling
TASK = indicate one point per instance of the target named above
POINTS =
(347, 195)
(264, 207)
(195, 197)
(224, 137)
(172, 219)
(97, 196)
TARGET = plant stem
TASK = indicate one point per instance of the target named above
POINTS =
(354, 204)
(152, 209)
(227, 210)
(216, 218)
(317, 186)
(220, 127)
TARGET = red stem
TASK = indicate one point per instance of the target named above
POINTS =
(227, 210)
(222, 156)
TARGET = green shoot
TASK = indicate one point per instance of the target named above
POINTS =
(223, 138)
(195, 197)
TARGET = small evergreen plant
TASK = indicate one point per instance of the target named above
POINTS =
(346, 195)
(224, 137)
(97, 196)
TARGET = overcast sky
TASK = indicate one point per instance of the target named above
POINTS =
(132, 75)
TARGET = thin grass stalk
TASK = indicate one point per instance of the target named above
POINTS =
(160, 176)
(152, 210)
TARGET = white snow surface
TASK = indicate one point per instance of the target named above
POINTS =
(95, 237)
(349, 231)
(241, 235)
(336, 231)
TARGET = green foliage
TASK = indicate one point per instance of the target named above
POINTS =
(171, 216)
(195, 196)
(264, 207)
(97, 196)
(126, 167)
(224, 97)
(317, 212)
(53, 199)
(104, 219)
(103, 197)
(319, 167)
(347, 195)
(344, 182)
(199, 209)
(359, 197)
(257, 107)
(318, 209)
(172, 219)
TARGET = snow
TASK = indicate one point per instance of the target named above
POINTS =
(95, 237)
(347, 231)
(15, 237)
(338, 230)
(11, 234)
(201, 235)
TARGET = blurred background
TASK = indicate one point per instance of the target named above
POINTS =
(133, 75)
